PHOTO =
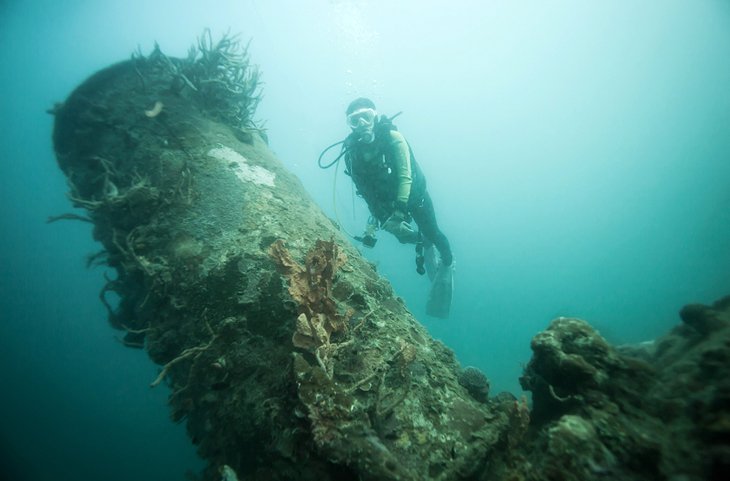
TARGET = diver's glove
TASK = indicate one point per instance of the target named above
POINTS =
(401, 228)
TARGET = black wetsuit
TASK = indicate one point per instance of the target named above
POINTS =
(387, 176)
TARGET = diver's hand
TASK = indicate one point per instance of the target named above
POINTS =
(399, 227)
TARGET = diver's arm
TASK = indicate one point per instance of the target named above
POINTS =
(402, 162)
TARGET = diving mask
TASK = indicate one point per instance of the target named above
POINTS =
(362, 121)
(361, 118)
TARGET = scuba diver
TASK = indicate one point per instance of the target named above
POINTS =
(386, 175)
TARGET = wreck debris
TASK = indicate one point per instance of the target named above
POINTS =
(656, 411)
(287, 356)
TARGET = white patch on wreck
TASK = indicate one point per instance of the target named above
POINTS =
(239, 164)
(227, 473)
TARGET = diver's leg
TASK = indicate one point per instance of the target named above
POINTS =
(425, 217)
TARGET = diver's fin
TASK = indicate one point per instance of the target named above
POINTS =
(439, 299)
(431, 261)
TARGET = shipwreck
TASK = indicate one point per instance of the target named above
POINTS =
(289, 357)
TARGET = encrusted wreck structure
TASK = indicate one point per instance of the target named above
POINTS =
(286, 354)
(289, 357)
(656, 411)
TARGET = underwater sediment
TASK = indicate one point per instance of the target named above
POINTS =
(289, 357)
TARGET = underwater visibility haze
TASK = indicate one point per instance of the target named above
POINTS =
(577, 153)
